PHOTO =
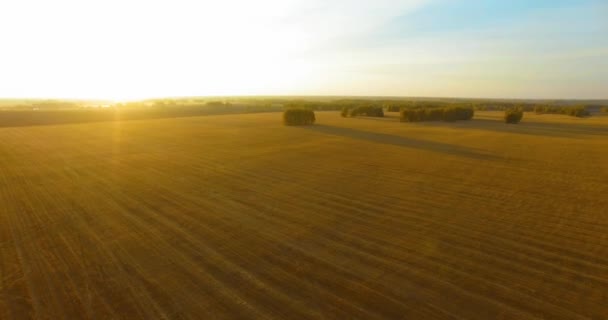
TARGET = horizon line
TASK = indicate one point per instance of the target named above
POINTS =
(295, 96)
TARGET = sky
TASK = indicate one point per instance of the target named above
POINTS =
(134, 49)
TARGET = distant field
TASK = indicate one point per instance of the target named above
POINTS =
(238, 216)
(18, 118)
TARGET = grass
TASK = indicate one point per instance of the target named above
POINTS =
(241, 217)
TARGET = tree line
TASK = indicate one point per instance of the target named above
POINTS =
(453, 113)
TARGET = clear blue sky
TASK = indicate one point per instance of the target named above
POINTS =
(463, 48)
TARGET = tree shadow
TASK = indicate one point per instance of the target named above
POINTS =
(563, 130)
(548, 129)
(405, 142)
(387, 117)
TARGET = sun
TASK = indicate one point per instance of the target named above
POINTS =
(252, 50)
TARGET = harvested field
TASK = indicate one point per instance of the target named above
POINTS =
(239, 216)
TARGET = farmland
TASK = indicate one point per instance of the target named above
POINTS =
(238, 216)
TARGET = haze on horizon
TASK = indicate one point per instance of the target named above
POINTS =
(133, 49)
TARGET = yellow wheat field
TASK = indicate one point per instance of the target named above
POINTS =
(238, 216)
